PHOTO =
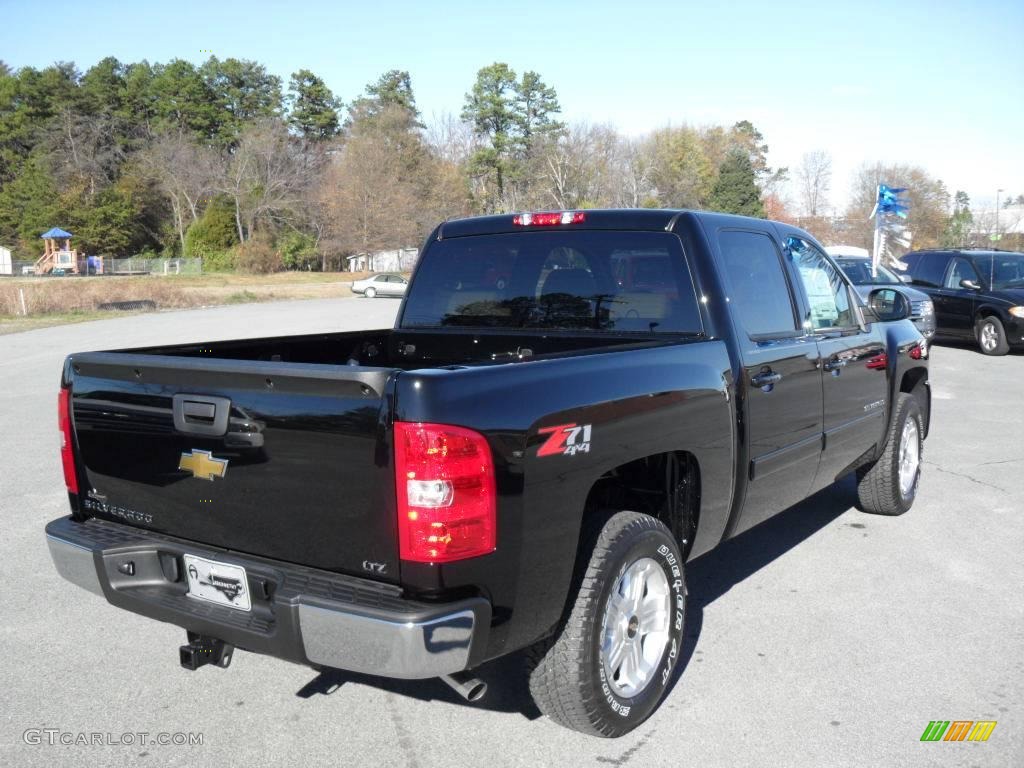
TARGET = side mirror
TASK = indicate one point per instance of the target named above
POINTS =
(888, 305)
(970, 285)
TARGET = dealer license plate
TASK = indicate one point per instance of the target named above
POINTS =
(217, 583)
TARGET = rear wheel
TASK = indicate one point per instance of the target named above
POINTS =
(607, 668)
(991, 336)
(889, 486)
(371, 292)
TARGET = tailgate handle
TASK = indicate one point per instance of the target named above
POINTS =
(192, 409)
(201, 414)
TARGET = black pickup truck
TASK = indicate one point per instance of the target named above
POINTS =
(520, 463)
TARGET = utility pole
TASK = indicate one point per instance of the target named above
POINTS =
(998, 191)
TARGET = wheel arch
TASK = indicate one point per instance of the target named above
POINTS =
(665, 486)
(914, 382)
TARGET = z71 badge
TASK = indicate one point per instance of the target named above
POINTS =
(565, 440)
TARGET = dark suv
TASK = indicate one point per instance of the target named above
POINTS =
(977, 294)
(858, 269)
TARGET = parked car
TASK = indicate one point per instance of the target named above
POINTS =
(381, 285)
(978, 295)
(858, 269)
(504, 469)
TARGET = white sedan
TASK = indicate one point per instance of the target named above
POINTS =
(381, 285)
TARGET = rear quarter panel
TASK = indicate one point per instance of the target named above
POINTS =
(636, 402)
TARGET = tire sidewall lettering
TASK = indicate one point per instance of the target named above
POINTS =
(644, 702)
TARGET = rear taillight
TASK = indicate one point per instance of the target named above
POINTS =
(548, 219)
(67, 457)
(444, 477)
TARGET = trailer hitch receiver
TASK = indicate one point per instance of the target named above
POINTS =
(202, 650)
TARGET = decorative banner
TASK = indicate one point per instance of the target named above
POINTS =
(889, 209)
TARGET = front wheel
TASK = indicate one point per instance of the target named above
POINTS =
(991, 336)
(889, 486)
(371, 292)
(608, 667)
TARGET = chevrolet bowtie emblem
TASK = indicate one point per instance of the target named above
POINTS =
(203, 465)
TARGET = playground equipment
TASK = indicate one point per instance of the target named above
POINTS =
(57, 253)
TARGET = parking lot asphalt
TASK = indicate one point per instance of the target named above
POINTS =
(824, 637)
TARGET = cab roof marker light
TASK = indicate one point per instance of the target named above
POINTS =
(548, 218)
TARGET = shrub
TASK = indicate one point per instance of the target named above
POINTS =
(213, 234)
(257, 256)
(298, 251)
(220, 261)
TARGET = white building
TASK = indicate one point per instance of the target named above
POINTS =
(1005, 221)
(401, 260)
(6, 265)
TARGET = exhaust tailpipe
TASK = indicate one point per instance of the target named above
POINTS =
(467, 685)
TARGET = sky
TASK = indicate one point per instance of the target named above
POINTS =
(935, 83)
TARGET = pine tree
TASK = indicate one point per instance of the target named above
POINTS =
(314, 109)
(958, 228)
(510, 115)
(535, 103)
(736, 189)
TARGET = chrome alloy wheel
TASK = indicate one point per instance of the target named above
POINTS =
(989, 338)
(910, 456)
(635, 627)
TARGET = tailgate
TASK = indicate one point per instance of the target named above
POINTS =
(283, 460)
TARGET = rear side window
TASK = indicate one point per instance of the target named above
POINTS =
(929, 269)
(758, 290)
(910, 259)
(634, 282)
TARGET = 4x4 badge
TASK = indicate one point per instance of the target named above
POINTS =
(565, 439)
(203, 464)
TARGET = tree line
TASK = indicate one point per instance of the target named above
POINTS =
(227, 162)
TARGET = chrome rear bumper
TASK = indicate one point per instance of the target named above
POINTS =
(300, 614)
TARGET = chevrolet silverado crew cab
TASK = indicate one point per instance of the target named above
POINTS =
(519, 464)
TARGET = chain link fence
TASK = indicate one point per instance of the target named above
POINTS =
(135, 265)
(141, 266)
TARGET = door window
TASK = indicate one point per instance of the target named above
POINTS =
(827, 294)
(929, 269)
(758, 290)
(961, 270)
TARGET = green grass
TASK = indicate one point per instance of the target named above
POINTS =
(16, 324)
(241, 297)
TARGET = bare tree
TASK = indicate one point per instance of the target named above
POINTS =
(85, 148)
(573, 168)
(928, 198)
(451, 139)
(185, 173)
(370, 192)
(814, 177)
(632, 173)
(265, 176)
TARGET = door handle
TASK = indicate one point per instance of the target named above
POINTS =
(835, 365)
(766, 379)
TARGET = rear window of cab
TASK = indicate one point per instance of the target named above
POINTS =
(633, 282)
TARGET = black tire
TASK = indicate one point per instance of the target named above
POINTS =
(878, 485)
(568, 681)
(370, 293)
(991, 336)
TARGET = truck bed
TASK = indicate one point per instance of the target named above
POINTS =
(300, 468)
